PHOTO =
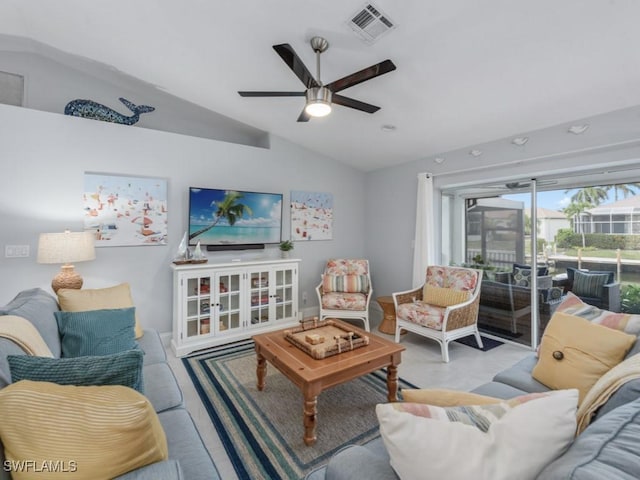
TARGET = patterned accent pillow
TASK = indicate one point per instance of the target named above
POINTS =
(123, 368)
(589, 284)
(345, 283)
(443, 297)
(624, 322)
(96, 332)
(516, 438)
(347, 266)
(98, 432)
(521, 276)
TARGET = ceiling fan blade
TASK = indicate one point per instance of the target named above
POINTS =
(362, 76)
(290, 57)
(357, 104)
(304, 116)
(271, 94)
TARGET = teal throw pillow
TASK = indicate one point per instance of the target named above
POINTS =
(124, 368)
(97, 332)
(589, 284)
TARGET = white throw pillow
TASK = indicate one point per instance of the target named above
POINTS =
(513, 439)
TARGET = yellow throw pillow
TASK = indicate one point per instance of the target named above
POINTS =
(443, 297)
(72, 300)
(54, 431)
(440, 397)
(575, 353)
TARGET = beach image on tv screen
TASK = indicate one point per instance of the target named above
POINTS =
(228, 217)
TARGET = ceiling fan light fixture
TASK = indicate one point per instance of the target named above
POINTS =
(318, 102)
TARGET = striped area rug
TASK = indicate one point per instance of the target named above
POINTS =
(262, 431)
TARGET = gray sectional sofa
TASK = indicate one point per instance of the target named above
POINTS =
(608, 449)
(188, 456)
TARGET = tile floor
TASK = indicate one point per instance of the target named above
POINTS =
(421, 365)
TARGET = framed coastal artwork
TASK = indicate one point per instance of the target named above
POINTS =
(311, 216)
(124, 210)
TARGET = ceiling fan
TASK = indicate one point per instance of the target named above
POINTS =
(320, 97)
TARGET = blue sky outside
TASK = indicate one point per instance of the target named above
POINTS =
(266, 208)
(552, 200)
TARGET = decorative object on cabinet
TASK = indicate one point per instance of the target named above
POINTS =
(66, 248)
(125, 210)
(285, 247)
(222, 303)
(97, 111)
(311, 216)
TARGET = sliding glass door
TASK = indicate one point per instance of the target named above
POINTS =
(529, 238)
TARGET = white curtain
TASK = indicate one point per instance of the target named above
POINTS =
(424, 243)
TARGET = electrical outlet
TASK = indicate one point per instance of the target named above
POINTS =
(304, 298)
(16, 251)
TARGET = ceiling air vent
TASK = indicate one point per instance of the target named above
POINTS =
(11, 89)
(370, 23)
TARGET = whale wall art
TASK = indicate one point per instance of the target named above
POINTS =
(97, 111)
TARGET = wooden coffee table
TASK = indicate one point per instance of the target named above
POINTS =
(314, 376)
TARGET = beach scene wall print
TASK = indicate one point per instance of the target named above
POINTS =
(124, 210)
(311, 216)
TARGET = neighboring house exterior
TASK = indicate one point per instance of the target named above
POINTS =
(619, 218)
(549, 222)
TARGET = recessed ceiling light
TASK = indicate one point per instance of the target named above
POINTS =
(438, 159)
(475, 153)
(520, 141)
(578, 129)
(388, 128)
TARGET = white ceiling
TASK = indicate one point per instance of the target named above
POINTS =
(468, 71)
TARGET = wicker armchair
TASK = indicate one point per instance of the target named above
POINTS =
(444, 308)
(345, 290)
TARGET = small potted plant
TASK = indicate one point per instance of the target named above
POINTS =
(285, 247)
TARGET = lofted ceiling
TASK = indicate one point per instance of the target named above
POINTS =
(468, 71)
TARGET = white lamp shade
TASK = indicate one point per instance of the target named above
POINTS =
(67, 247)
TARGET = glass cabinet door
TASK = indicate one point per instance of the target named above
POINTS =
(198, 298)
(259, 295)
(283, 294)
(228, 290)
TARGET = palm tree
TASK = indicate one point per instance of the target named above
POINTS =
(593, 196)
(573, 211)
(227, 208)
(626, 189)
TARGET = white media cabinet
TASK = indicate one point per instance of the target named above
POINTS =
(221, 303)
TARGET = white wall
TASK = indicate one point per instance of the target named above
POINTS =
(44, 156)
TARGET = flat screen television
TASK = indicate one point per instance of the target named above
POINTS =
(234, 219)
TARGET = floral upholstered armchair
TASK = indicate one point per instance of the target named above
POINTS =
(444, 308)
(345, 290)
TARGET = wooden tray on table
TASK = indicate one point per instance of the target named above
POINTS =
(324, 339)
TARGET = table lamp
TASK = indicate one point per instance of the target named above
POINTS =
(66, 248)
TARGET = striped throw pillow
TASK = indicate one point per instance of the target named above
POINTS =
(93, 433)
(345, 283)
(589, 284)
